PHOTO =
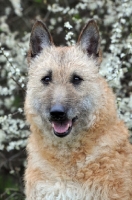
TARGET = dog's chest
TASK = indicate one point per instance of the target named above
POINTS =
(67, 190)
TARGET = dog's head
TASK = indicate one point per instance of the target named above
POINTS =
(64, 89)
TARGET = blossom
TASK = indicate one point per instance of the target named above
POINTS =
(67, 25)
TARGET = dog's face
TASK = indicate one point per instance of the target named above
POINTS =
(63, 89)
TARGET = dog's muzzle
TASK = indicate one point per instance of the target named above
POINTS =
(62, 126)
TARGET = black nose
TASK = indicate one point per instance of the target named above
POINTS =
(57, 112)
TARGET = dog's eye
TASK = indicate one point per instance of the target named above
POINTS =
(46, 80)
(76, 80)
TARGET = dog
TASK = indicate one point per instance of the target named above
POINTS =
(78, 148)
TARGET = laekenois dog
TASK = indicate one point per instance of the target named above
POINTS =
(78, 148)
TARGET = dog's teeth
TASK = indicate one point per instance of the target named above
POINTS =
(69, 125)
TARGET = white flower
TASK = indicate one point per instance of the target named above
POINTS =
(122, 55)
(20, 110)
(68, 35)
(68, 25)
(17, 6)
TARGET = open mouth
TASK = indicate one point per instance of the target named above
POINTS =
(63, 128)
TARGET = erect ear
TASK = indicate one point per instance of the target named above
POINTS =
(89, 39)
(40, 38)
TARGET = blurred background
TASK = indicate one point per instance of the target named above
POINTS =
(64, 19)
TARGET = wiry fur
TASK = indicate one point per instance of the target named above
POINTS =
(93, 162)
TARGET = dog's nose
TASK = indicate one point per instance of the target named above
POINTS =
(57, 112)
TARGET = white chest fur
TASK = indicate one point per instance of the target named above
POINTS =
(60, 191)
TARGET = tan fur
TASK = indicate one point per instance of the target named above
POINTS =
(93, 162)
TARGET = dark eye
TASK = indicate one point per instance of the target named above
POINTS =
(76, 80)
(46, 80)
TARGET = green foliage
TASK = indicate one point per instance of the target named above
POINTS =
(9, 188)
(38, 1)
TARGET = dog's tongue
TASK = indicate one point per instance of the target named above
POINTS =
(61, 127)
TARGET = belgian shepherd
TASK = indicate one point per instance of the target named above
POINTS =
(78, 148)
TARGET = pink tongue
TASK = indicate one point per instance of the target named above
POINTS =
(61, 127)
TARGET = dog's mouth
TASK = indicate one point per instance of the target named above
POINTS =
(63, 128)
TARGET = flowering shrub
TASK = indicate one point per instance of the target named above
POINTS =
(65, 20)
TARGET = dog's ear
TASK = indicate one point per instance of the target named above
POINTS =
(40, 39)
(89, 39)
